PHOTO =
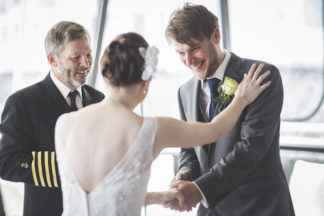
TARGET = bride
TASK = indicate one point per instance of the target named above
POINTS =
(105, 150)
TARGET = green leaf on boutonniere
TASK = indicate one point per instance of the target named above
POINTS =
(229, 87)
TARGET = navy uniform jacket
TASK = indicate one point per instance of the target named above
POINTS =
(240, 174)
(27, 150)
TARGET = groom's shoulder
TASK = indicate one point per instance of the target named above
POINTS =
(244, 64)
(247, 63)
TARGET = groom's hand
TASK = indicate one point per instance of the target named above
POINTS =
(189, 191)
(180, 176)
(174, 204)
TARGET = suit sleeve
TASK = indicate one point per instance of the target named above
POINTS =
(19, 162)
(188, 161)
(259, 131)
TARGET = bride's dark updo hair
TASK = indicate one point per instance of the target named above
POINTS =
(122, 63)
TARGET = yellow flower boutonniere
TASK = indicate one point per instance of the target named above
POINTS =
(229, 87)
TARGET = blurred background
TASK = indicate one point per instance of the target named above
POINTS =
(286, 33)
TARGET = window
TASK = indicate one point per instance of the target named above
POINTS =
(288, 34)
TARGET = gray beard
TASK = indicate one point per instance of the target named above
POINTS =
(70, 80)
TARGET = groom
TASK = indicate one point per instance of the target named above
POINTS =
(240, 174)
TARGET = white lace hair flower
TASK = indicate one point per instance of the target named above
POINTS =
(150, 55)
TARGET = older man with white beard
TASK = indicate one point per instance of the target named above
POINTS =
(27, 150)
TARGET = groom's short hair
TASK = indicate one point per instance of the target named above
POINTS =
(191, 21)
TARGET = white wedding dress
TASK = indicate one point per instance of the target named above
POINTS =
(122, 191)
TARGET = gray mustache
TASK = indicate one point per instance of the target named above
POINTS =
(82, 69)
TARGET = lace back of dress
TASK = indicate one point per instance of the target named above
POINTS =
(128, 185)
(123, 191)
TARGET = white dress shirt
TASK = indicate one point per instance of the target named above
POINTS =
(204, 99)
(65, 91)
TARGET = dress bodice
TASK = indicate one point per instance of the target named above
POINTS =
(122, 191)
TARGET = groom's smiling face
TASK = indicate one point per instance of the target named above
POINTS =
(199, 56)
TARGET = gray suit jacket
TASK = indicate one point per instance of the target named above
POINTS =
(240, 174)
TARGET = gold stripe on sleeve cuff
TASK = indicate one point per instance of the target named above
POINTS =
(53, 169)
(34, 170)
(40, 170)
(48, 178)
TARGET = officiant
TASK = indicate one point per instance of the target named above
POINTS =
(27, 151)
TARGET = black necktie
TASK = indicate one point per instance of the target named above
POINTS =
(212, 84)
(72, 95)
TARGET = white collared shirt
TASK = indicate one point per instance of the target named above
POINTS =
(65, 91)
(204, 99)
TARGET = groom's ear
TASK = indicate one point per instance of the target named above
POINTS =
(216, 36)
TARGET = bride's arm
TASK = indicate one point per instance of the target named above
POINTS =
(176, 133)
(162, 197)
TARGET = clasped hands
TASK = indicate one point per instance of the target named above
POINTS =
(183, 194)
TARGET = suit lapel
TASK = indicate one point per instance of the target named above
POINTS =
(196, 114)
(86, 98)
(54, 97)
(231, 71)
(193, 105)
(202, 112)
(232, 68)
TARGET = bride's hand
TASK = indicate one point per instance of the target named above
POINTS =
(250, 87)
(172, 195)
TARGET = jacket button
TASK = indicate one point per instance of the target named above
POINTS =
(24, 165)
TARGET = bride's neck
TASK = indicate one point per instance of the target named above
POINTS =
(124, 96)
